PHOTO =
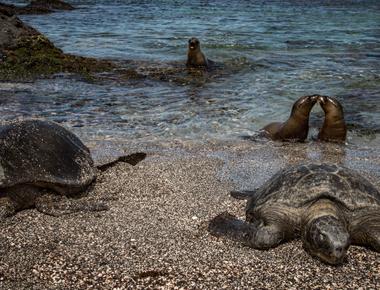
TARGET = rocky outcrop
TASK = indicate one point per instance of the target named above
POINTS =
(50, 4)
(12, 28)
(26, 54)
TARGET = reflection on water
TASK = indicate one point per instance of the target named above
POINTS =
(279, 50)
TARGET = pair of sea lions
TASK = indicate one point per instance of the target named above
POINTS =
(296, 128)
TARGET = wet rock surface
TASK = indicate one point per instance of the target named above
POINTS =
(155, 234)
(12, 28)
(27, 54)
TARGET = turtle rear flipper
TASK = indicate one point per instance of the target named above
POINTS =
(243, 194)
(58, 205)
(229, 226)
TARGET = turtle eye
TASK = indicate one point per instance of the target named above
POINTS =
(322, 241)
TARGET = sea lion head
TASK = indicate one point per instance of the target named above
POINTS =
(194, 44)
(331, 107)
(303, 106)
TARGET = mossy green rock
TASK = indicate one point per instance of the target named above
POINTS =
(27, 54)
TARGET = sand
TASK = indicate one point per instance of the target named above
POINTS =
(154, 236)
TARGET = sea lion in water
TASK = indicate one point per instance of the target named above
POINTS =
(195, 57)
(296, 127)
(334, 127)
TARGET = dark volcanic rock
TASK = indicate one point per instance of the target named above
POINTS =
(12, 28)
(51, 4)
(27, 54)
(7, 9)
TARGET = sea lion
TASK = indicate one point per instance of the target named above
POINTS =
(195, 57)
(296, 127)
(334, 128)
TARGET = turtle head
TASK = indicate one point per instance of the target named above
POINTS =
(194, 44)
(303, 106)
(327, 238)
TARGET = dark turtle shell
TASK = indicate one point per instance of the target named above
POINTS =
(45, 154)
(297, 186)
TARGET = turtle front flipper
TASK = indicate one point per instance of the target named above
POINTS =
(266, 236)
(255, 235)
(365, 229)
(58, 205)
(7, 207)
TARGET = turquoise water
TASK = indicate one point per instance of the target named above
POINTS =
(279, 51)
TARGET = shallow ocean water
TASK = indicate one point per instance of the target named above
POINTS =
(279, 51)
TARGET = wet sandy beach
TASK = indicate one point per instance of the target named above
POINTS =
(155, 234)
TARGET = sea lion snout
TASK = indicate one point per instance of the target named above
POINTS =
(325, 101)
(305, 104)
(193, 43)
(322, 100)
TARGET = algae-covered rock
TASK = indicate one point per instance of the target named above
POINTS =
(27, 54)
(12, 28)
(51, 4)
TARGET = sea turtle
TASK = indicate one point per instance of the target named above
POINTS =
(41, 163)
(329, 206)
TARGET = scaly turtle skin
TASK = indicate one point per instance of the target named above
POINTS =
(327, 205)
(40, 164)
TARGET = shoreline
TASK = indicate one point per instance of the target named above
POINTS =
(155, 234)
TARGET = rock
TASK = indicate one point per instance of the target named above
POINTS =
(12, 28)
(51, 4)
(28, 54)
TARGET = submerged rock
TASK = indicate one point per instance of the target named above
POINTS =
(51, 4)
